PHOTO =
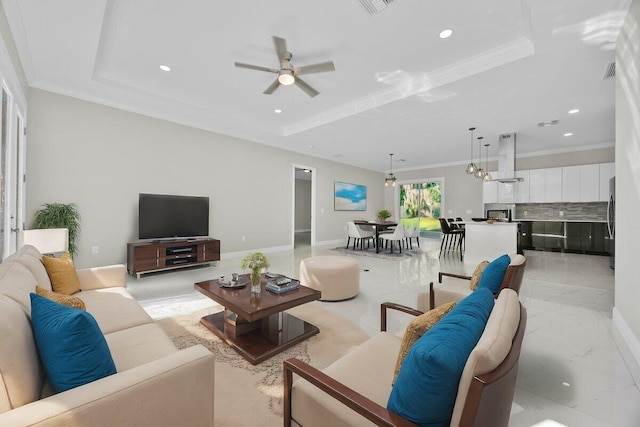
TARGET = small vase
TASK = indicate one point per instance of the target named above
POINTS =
(255, 282)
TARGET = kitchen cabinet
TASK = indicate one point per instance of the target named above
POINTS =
(607, 171)
(521, 189)
(505, 192)
(553, 185)
(578, 236)
(537, 186)
(569, 236)
(599, 238)
(581, 183)
(490, 190)
(571, 184)
(524, 240)
(589, 183)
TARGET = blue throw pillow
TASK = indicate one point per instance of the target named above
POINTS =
(70, 343)
(493, 274)
(427, 384)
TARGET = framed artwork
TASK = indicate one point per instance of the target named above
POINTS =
(349, 197)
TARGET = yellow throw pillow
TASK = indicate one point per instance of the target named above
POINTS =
(62, 273)
(68, 300)
(417, 328)
(477, 273)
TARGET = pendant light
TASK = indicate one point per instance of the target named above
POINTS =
(487, 175)
(471, 167)
(390, 179)
(480, 172)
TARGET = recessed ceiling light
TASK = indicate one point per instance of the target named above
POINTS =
(165, 68)
(568, 134)
(575, 110)
(277, 111)
(445, 34)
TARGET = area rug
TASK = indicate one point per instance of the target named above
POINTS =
(385, 254)
(248, 395)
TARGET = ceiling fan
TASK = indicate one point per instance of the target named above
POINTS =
(287, 73)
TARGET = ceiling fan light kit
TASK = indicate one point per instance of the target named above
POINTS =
(287, 74)
(285, 77)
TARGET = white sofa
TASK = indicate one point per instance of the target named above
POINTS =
(155, 383)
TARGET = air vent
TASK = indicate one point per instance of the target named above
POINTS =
(375, 6)
(610, 71)
(547, 124)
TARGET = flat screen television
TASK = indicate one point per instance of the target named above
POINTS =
(163, 216)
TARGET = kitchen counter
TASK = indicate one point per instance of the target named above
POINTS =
(484, 241)
(576, 236)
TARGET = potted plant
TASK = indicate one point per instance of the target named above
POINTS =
(255, 262)
(60, 215)
(383, 214)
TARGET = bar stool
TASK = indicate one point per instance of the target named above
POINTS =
(451, 238)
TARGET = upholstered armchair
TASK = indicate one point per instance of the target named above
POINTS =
(356, 389)
(454, 287)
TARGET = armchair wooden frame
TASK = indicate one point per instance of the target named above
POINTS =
(512, 279)
(488, 402)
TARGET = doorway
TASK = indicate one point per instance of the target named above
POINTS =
(420, 205)
(303, 206)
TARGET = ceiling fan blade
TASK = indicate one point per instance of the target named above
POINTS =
(316, 68)
(281, 46)
(306, 88)
(255, 67)
(272, 88)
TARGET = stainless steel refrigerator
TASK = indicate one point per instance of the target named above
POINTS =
(611, 223)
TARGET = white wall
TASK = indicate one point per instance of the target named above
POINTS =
(100, 158)
(627, 284)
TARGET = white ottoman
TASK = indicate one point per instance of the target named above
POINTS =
(337, 277)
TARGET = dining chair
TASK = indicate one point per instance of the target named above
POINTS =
(396, 236)
(359, 235)
(412, 233)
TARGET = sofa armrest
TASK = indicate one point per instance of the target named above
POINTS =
(174, 390)
(347, 396)
(102, 277)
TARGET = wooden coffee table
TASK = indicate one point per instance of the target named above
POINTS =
(257, 326)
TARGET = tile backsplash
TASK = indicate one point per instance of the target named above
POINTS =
(593, 211)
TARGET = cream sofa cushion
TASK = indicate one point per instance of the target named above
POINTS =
(139, 345)
(31, 258)
(114, 309)
(493, 346)
(16, 282)
(21, 375)
(378, 355)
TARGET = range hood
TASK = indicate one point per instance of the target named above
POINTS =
(507, 159)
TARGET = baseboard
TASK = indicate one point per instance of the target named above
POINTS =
(331, 242)
(628, 344)
(239, 254)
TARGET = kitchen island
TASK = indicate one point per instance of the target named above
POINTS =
(484, 241)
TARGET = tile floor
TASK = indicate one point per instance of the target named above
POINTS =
(571, 371)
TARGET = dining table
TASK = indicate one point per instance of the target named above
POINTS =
(378, 226)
